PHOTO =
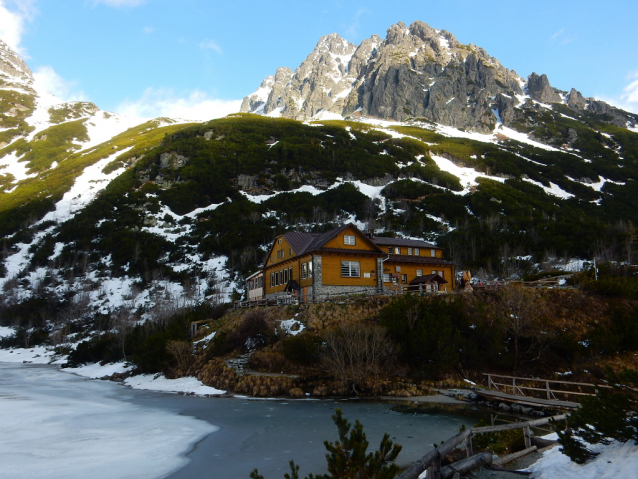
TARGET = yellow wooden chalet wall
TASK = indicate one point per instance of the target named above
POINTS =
(331, 261)
(283, 257)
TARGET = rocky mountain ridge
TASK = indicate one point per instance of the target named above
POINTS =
(415, 72)
(102, 227)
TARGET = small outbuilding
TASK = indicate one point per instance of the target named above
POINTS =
(430, 283)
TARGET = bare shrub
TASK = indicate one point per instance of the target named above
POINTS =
(254, 332)
(521, 311)
(182, 352)
(356, 353)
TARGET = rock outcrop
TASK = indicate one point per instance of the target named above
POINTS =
(12, 65)
(416, 72)
(539, 89)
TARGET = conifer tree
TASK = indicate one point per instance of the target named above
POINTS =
(348, 457)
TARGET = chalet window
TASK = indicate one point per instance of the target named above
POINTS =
(304, 270)
(279, 241)
(389, 249)
(409, 251)
(404, 278)
(349, 239)
(272, 279)
(397, 250)
(290, 251)
(387, 278)
(350, 269)
(289, 274)
(433, 272)
(309, 269)
(417, 252)
(419, 272)
(433, 253)
(285, 276)
(397, 269)
(441, 274)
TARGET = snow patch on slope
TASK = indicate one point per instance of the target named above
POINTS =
(467, 176)
(84, 189)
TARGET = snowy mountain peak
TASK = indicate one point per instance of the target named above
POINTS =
(11, 63)
(415, 72)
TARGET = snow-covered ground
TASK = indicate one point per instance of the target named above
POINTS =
(615, 461)
(62, 426)
(157, 382)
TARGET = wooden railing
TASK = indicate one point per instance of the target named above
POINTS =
(432, 460)
(546, 388)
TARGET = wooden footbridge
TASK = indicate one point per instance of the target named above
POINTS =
(528, 391)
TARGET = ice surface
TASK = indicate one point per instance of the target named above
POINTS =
(55, 425)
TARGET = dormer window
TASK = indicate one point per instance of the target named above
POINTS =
(279, 241)
(349, 240)
(433, 253)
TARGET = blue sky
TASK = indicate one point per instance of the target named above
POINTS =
(196, 58)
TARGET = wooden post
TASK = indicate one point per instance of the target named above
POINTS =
(468, 446)
(489, 381)
(513, 385)
(436, 467)
(547, 387)
(527, 432)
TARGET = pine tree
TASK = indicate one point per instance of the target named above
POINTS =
(348, 458)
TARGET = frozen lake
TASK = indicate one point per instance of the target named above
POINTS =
(58, 425)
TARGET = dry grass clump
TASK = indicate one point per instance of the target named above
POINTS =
(216, 374)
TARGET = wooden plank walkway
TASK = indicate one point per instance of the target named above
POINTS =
(525, 400)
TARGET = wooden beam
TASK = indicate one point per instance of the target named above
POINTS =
(466, 465)
(510, 457)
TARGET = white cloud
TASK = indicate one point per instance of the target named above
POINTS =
(65, 90)
(148, 30)
(119, 3)
(353, 29)
(628, 100)
(14, 14)
(631, 91)
(195, 105)
(561, 37)
(210, 45)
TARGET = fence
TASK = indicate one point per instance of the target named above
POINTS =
(432, 460)
(576, 389)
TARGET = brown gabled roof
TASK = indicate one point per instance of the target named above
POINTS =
(381, 240)
(299, 240)
(349, 251)
(303, 243)
(315, 241)
(402, 258)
